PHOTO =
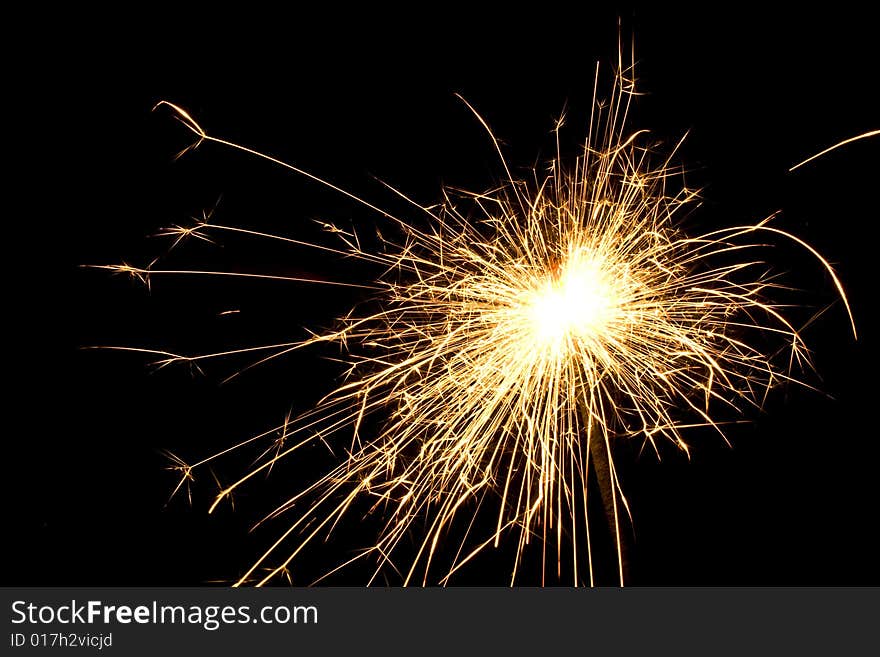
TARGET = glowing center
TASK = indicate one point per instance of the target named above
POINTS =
(579, 302)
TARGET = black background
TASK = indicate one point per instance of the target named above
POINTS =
(351, 96)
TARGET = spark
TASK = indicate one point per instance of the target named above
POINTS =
(514, 336)
(872, 133)
(143, 274)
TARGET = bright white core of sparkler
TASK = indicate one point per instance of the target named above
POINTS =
(577, 303)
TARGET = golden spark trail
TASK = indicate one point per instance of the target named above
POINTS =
(872, 133)
(515, 335)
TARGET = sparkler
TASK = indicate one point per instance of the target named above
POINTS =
(514, 336)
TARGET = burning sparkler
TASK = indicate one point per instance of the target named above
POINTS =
(513, 338)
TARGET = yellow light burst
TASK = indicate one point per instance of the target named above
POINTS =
(516, 334)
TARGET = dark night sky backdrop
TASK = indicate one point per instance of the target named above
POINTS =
(350, 97)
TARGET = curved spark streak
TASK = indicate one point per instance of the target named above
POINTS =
(872, 133)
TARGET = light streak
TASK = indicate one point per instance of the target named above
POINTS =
(872, 133)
